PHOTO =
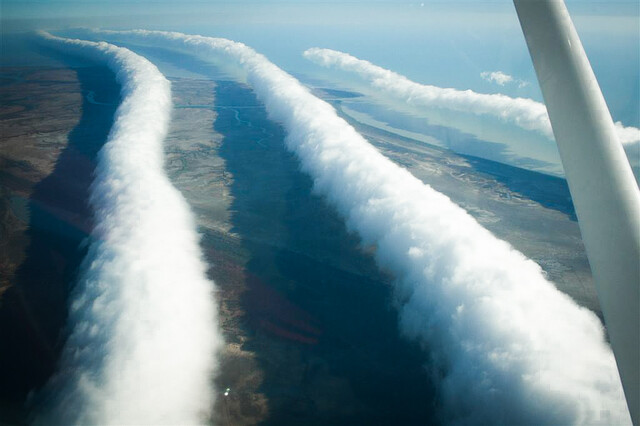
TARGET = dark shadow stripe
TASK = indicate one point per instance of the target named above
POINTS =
(33, 310)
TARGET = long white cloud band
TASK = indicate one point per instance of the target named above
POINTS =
(526, 113)
(142, 318)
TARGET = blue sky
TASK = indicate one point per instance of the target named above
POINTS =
(446, 44)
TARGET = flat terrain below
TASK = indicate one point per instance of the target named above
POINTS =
(311, 333)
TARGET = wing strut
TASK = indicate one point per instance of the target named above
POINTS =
(602, 185)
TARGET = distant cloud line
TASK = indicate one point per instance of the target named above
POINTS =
(505, 346)
(525, 113)
(142, 319)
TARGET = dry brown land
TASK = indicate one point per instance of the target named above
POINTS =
(38, 109)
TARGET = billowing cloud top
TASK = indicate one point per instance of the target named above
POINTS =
(506, 346)
(526, 113)
(142, 318)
